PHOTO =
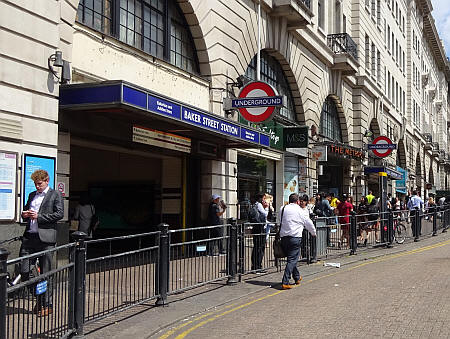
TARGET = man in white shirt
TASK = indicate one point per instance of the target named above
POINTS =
(259, 234)
(292, 220)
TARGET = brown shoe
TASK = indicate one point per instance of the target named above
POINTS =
(45, 311)
(297, 282)
(286, 287)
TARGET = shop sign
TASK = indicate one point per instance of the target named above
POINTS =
(272, 128)
(382, 146)
(319, 153)
(400, 184)
(256, 102)
(346, 151)
(8, 185)
(156, 138)
(295, 137)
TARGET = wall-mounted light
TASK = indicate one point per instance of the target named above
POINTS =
(368, 134)
(56, 60)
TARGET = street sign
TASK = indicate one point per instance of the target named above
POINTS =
(382, 146)
(295, 137)
(257, 101)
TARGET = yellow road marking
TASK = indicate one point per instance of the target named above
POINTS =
(371, 261)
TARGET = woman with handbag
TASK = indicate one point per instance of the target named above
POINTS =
(292, 221)
(84, 213)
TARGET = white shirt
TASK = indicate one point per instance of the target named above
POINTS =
(35, 205)
(294, 219)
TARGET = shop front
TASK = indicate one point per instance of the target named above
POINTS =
(139, 155)
(334, 173)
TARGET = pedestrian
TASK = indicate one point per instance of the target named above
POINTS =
(258, 234)
(310, 205)
(84, 212)
(344, 209)
(362, 220)
(292, 222)
(215, 210)
(429, 208)
(414, 202)
(268, 203)
(44, 208)
(372, 217)
(370, 197)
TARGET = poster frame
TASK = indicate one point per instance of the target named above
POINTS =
(14, 219)
(24, 172)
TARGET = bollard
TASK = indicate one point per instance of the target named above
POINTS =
(444, 219)
(3, 290)
(308, 248)
(416, 225)
(80, 282)
(313, 243)
(162, 286)
(353, 235)
(390, 229)
(241, 250)
(435, 208)
(232, 253)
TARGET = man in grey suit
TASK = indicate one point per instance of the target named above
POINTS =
(42, 211)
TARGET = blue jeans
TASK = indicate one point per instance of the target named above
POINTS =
(291, 247)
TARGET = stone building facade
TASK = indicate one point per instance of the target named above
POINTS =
(352, 70)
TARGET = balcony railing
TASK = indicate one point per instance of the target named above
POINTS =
(307, 3)
(342, 43)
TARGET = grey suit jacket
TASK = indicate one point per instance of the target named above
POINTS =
(51, 210)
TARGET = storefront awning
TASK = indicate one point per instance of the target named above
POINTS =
(163, 111)
(392, 174)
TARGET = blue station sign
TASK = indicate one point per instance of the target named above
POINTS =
(119, 92)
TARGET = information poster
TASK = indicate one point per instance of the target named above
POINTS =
(32, 163)
(8, 185)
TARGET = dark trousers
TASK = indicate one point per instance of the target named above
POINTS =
(291, 247)
(259, 246)
(32, 244)
(216, 232)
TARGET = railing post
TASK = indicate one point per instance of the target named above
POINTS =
(390, 228)
(444, 219)
(313, 243)
(80, 282)
(3, 291)
(353, 235)
(232, 254)
(435, 208)
(163, 265)
(416, 225)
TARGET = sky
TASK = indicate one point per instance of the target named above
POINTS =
(441, 15)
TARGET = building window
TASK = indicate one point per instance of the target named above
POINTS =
(156, 27)
(272, 73)
(374, 63)
(320, 13)
(329, 121)
(378, 67)
(367, 43)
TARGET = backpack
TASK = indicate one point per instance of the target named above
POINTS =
(253, 214)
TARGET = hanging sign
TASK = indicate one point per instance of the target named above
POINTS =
(382, 146)
(256, 101)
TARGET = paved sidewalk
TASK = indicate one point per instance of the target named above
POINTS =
(149, 321)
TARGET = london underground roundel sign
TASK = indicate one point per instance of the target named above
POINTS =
(382, 146)
(257, 101)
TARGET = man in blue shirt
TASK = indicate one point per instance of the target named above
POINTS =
(414, 202)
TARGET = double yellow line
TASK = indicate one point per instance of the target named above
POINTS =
(201, 321)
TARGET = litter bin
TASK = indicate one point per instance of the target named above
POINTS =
(322, 234)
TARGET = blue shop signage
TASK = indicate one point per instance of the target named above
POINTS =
(122, 93)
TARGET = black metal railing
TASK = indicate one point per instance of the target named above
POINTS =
(342, 43)
(100, 277)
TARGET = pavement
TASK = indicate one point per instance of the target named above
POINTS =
(385, 292)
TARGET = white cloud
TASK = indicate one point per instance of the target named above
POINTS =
(441, 14)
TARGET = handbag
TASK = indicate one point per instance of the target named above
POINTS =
(95, 221)
(278, 251)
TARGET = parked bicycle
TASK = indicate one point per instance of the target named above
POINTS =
(399, 230)
(15, 277)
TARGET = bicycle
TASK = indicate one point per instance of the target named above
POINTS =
(399, 231)
(16, 277)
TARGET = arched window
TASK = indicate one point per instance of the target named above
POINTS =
(272, 73)
(156, 27)
(329, 121)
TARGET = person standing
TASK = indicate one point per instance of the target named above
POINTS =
(344, 209)
(44, 208)
(292, 222)
(370, 197)
(84, 213)
(414, 202)
(258, 232)
(215, 211)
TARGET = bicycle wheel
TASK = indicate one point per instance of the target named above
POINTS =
(400, 233)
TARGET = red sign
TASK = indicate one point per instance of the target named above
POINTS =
(382, 146)
(260, 90)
